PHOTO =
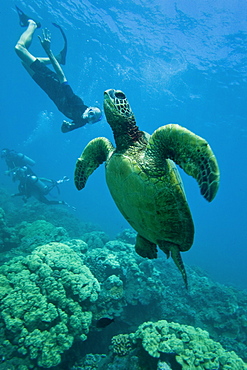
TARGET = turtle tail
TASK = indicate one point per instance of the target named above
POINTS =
(176, 256)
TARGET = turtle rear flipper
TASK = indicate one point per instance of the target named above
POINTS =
(145, 248)
(191, 152)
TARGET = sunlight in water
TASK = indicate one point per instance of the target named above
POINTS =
(42, 128)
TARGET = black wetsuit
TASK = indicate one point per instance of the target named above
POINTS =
(71, 105)
(14, 159)
(27, 188)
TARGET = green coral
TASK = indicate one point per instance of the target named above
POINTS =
(8, 237)
(95, 239)
(121, 344)
(192, 347)
(39, 232)
(127, 236)
(45, 302)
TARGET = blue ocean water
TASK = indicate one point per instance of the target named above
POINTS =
(180, 62)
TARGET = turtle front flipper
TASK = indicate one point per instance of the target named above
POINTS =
(95, 153)
(145, 248)
(191, 152)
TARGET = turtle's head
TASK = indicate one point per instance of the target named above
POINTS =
(117, 109)
(120, 117)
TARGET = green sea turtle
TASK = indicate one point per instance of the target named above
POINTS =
(144, 181)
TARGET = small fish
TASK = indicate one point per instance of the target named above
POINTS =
(103, 322)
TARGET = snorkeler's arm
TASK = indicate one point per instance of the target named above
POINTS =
(57, 67)
(46, 44)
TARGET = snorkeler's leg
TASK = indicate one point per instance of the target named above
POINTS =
(61, 57)
(24, 43)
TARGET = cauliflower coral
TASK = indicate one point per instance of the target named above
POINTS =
(45, 303)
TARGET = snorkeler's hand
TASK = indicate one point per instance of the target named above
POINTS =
(67, 126)
(46, 40)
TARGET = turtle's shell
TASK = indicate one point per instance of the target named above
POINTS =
(155, 206)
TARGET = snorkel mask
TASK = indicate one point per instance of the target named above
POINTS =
(92, 115)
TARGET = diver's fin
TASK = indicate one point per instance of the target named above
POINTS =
(61, 57)
(24, 18)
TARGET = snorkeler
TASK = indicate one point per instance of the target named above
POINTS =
(32, 185)
(54, 84)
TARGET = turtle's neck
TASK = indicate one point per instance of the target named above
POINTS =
(127, 134)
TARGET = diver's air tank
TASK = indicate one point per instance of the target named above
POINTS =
(26, 159)
(39, 184)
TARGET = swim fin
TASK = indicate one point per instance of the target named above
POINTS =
(24, 18)
(61, 57)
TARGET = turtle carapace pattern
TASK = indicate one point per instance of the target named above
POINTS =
(143, 179)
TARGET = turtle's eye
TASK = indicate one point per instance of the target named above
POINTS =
(119, 95)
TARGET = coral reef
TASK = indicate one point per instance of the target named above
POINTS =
(192, 347)
(54, 288)
(127, 236)
(60, 216)
(38, 233)
(90, 362)
(46, 301)
(121, 344)
(8, 237)
(154, 290)
(164, 346)
(78, 245)
(95, 239)
(178, 346)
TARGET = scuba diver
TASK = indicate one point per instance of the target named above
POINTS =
(38, 187)
(54, 84)
(30, 184)
(15, 160)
